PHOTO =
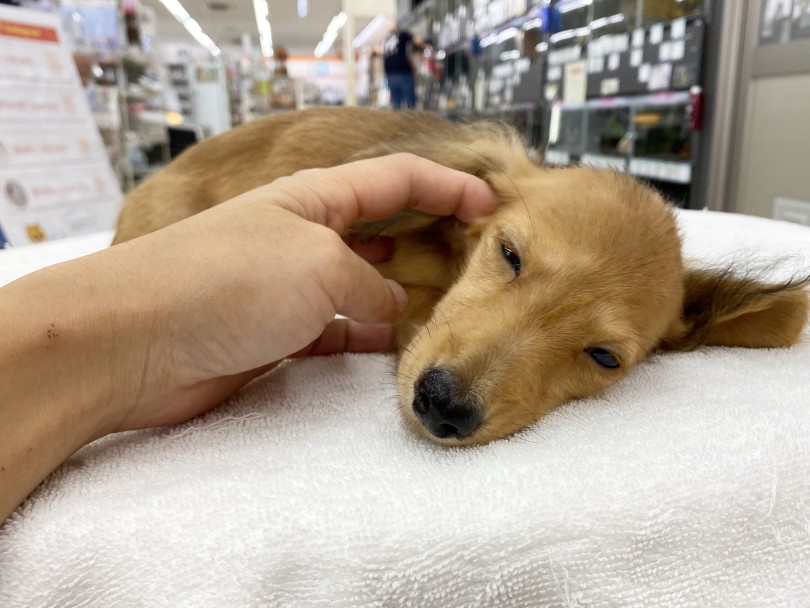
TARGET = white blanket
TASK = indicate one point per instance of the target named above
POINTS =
(688, 484)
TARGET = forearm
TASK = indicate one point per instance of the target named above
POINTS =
(98, 345)
(62, 367)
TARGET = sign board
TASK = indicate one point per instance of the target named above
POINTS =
(55, 176)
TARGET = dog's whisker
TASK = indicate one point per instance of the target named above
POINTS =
(450, 329)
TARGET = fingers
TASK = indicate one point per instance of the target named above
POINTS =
(377, 188)
(347, 336)
(359, 291)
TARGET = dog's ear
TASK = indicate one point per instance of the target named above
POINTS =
(721, 308)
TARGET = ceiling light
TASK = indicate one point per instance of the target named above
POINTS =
(508, 34)
(371, 30)
(329, 37)
(262, 12)
(302, 8)
(531, 24)
(597, 23)
(565, 35)
(574, 5)
(192, 27)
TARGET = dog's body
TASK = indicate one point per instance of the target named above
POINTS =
(574, 279)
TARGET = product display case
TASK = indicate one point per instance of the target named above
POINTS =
(655, 11)
(614, 79)
(662, 133)
(572, 15)
(649, 136)
(566, 135)
(663, 140)
(612, 17)
(609, 136)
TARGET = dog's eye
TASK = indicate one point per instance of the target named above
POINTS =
(603, 357)
(511, 257)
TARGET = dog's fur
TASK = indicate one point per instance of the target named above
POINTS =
(600, 262)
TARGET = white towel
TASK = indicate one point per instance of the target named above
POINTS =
(688, 484)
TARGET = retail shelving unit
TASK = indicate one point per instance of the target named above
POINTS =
(610, 83)
(179, 81)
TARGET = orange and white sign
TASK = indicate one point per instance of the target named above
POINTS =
(19, 148)
(55, 177)
(27, 31)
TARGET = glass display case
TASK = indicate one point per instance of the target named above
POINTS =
(662, 132)
(571, 15)
(667, 10)
(609, 131)
(612, 17)
(566, 132)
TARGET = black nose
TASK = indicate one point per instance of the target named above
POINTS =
(442, 408)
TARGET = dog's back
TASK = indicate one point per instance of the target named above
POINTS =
(262, 151)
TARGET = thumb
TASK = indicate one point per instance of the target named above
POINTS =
(367, 296)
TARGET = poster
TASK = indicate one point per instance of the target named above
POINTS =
(575, 83)
(55, 177)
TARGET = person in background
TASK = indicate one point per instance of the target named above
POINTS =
(398, 63)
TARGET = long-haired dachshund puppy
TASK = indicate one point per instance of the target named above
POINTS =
(576, 277)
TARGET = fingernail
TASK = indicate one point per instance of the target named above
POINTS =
(399, 294)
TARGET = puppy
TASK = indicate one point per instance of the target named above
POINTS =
(576, 277)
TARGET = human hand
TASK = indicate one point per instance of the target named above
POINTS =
(162, 328)
(261, 277)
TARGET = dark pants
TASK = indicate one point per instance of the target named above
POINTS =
(403, 88)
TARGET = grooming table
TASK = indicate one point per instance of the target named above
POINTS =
(687, 484)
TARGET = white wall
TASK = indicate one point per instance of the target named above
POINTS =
(776, 144)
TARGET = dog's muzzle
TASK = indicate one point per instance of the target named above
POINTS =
(442, 407)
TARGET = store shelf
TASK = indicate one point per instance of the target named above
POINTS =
(603, 161)
(666, 171)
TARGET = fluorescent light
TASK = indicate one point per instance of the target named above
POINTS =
(176, 9)
(337, 22)
(200, 36)
(565, 35)
(597, 23)
(533, 23)
(370, 30)
(508, 34)
(503, 36)
(302, 8)
(192, 27)
(262, 12)
(329, 37)
(542, 47)
(509, 55)
(574, 5)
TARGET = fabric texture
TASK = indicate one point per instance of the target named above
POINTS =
(688, 484)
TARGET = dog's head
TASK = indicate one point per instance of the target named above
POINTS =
(577, 277)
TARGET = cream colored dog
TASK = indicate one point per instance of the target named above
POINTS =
(577, 277)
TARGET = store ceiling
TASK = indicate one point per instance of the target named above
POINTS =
(226, 20)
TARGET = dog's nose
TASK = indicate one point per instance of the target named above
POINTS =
(441, 409)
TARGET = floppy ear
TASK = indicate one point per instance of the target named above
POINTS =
(723, 309)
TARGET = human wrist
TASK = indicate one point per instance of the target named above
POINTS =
(65, 382)
(79, 348)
